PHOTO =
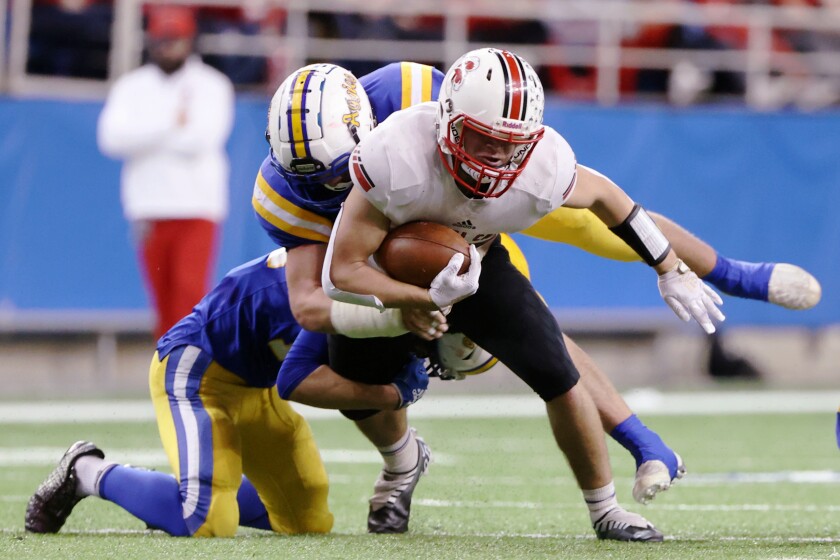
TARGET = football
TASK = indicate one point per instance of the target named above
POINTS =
(416, 252)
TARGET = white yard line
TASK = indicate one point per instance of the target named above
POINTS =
(647, 401)
(687, 538)
(44, 456)
(482, 504)
(500, 535)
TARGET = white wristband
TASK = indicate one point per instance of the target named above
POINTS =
(358, 321)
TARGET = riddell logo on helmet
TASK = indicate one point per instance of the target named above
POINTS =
(509, 124)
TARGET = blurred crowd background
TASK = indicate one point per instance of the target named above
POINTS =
(773, 53)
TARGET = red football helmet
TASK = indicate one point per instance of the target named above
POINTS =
(497, 95)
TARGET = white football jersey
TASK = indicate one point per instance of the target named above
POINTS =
(399, 169)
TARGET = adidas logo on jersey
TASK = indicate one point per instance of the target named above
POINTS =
(466, 224)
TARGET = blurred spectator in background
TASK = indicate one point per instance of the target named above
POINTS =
(571, 80)
(70, 38)
(688, 82)
(396, 28)
(234, 24)
(496, 31)
(685, 82)
(812, 87)
(789, 79)
(169, 121)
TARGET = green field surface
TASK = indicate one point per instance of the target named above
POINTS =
(758, 486)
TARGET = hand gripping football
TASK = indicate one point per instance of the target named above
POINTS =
(416, 252)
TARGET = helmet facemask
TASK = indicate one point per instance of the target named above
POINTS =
(481, 179)
(311, 172)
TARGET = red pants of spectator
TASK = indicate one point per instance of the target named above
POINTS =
(178, 258)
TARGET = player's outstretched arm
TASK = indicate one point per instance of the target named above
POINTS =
(582, 229)
(783, 284)
(786, 285)
(681, 289)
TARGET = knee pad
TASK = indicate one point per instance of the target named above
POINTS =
(318, 523)
(218, 528)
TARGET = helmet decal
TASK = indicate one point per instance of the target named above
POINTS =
(469, 64)
(296, 115)
(457, 78)
(516, 103)
(354, 103)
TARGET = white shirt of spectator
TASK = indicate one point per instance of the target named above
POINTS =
(170, 171)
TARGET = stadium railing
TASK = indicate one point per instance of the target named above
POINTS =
(758, 61)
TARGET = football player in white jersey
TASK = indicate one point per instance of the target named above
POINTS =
(297, 211)
(481, 162)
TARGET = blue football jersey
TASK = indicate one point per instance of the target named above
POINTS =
(245, 322)
(292, 220)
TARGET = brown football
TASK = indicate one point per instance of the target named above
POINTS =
(416, 252)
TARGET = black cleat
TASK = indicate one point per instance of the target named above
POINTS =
(56, 497)
(390, 506)
(621, 525)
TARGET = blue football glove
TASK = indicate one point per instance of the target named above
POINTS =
(411, 383)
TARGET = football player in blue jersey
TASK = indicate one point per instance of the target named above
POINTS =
(316, 117)
(222, 412)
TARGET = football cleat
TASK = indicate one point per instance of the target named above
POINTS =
(56, 497)
(390, 505)
(619, 524)
(653, 477)
(792, 287)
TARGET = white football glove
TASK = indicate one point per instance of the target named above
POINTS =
(688, 297)
(448, 287)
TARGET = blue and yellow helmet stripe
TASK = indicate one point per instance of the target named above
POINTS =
(296, 115)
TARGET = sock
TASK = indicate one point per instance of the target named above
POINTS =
(600, 501)
(150, 496)
(741, 278)
(88, 470)
(252, 512)
(644, 444)
(401, 456)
